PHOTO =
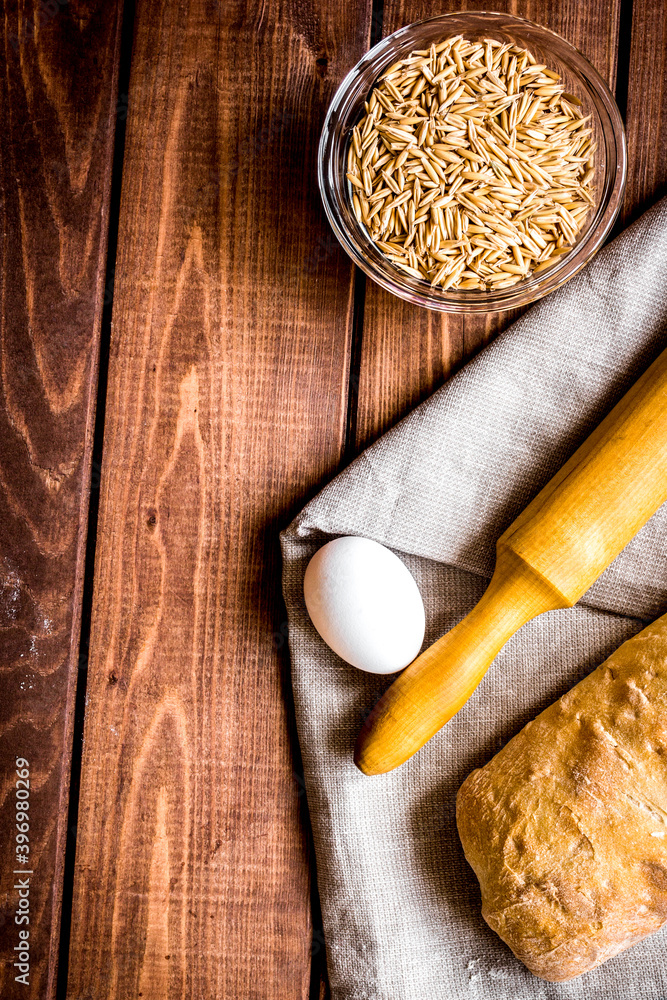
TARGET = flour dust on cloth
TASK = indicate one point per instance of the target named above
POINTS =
(400, 906)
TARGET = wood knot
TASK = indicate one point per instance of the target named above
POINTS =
(322, 65)
(151, 520)
(112, 678)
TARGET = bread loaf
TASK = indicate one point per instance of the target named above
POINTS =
(566, 827)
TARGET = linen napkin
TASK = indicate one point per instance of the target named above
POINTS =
(400, 906)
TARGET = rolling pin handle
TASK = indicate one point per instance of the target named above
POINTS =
(446, 674)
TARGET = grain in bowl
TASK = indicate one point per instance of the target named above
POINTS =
(471, 168)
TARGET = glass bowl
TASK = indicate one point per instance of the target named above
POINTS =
(578, 77)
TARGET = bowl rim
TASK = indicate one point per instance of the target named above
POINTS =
(470, 301)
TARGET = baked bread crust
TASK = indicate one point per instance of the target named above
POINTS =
(566, 827)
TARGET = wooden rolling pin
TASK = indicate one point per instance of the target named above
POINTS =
(548, 558)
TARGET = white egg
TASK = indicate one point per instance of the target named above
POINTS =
(365, 604)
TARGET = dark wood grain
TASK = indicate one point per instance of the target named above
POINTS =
(226, 408)
(57, 114)
(407, 352)
(646, 118)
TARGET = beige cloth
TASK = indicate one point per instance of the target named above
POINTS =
(401, 907)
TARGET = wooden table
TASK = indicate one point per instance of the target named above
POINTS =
(186, 357)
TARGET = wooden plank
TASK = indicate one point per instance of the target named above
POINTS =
(226, 406)
(407, 352)
(646, 118)
(58, 82)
